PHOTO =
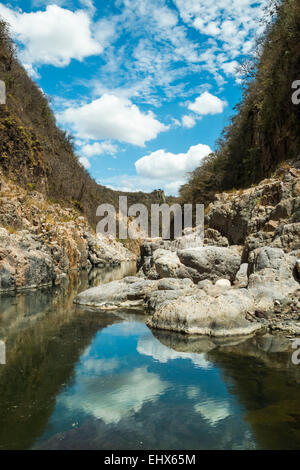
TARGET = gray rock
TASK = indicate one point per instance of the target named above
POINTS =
(25, 262)
(214, 238)
(206, 284)
(287, 237)
(128, 292)
(203, 314)
(241, 278)
(271, 276)
(166, 263)
(211, 263)
(174, 284)
(223, 283)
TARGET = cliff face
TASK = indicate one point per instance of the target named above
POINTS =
(40, 242)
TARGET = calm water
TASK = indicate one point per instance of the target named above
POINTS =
(79, 379)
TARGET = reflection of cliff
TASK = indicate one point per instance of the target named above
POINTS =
(45, 335)
(267, 384)
(259, 372)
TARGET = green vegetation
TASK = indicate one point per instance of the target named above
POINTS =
(265, 130)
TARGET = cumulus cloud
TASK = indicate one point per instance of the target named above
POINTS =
(84, 162)
(188, 121)
(54, 36)
(207, 103)
(98, 148)
(169, 166)
(112, 117)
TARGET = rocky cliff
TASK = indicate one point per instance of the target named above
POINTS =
(41, 241)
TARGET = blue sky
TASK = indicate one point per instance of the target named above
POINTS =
(145, 86)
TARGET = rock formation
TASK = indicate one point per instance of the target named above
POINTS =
(245, 277)
(41, 241)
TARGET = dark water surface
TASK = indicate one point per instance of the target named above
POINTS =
(80, 379)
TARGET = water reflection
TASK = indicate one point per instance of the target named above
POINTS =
(102, 380)
(150, 346)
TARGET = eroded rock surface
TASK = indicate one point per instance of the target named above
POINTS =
(41, 241)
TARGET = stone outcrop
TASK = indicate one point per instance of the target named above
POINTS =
(41, 241)
(129, 292)
(211, 262)
(268, 213)
(24, 261)
(221, 315)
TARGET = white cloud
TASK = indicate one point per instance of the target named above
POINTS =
(159, 170)
(84, 162)
(54, 36)
(207, 103)
(112, 117)
(167, 166)
(230, 21)
(188, 121)
(98, 148)
(230, 68)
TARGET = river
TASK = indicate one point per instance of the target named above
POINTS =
(80, 379)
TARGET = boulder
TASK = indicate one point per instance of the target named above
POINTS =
(211, 262)
(166, 263)
(241, 278)
(287, 237)
(203, 314)
(128, 292)
(25, 262)
(214, 238)
(174, 284)
(223, 283)
(271, 276)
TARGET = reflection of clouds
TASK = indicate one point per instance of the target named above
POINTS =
(192, 392)
(213, 411)
(126, 328)
(117, 396)
(97, 366)
(150, 346)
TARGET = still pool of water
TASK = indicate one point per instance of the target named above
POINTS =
(80, 379)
